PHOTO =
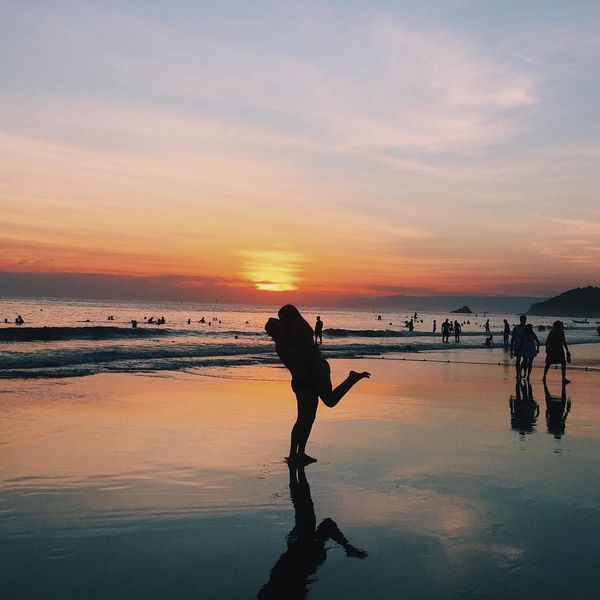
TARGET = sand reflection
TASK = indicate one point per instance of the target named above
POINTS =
(306, 550)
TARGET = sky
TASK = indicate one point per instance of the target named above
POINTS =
(309, 151)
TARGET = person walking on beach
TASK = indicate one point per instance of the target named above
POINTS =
(556, 345)
(457, 331)
(487, 326)
(530, 347)
(311, 375)
(435, 326)
(319, 331)
(515, 343)
(506, 334)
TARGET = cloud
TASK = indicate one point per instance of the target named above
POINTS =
(122, 287)
(363, 85)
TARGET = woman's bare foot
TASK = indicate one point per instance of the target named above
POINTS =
(300, 459)
(356, 376)
(306, 459)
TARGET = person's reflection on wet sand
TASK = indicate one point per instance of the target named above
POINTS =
(524, 410)
(306, 551)
(557, 409)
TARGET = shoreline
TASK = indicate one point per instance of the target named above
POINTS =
(586, 357)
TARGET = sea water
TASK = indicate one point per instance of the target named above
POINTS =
(61, 338)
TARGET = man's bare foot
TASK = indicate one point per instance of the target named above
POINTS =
(356, 376)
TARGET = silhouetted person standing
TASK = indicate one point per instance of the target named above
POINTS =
(319, 331)
(457, 331)
(435, 326)
(530, 347)
(506, 334)
(411, 325)
(555, 350)
(487, 326)
(445, 330)
(515, 343)
(294, 571)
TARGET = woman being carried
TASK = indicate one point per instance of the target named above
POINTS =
(311, 375)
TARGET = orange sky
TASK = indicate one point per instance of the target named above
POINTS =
(309, 161)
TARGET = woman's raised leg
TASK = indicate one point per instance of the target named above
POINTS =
(325, 389)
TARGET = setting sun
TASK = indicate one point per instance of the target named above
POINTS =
(272, 270)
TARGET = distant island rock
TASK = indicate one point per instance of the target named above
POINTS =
(463, 310)
(580, 302)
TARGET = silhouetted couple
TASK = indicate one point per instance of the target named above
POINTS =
(524, 410)
(525, 345)
(311, 375)
(306, 551)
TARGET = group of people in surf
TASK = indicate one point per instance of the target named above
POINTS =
(525, 346)
(298, 350)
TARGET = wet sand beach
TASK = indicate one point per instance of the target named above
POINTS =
(174, 485)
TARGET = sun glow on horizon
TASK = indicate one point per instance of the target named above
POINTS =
(272, 270)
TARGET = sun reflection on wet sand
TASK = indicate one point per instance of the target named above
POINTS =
(419, 465)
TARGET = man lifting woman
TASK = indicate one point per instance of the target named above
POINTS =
(311, 375)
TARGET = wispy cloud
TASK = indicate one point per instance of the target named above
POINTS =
(374, 86)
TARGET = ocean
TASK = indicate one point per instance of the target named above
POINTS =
(64, 338)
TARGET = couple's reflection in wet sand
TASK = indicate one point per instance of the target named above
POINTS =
(524, 409)
(306, 550)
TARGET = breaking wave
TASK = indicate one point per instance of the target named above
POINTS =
(92, 333)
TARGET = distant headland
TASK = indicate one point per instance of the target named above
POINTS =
(579, 302)
(463, 310)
